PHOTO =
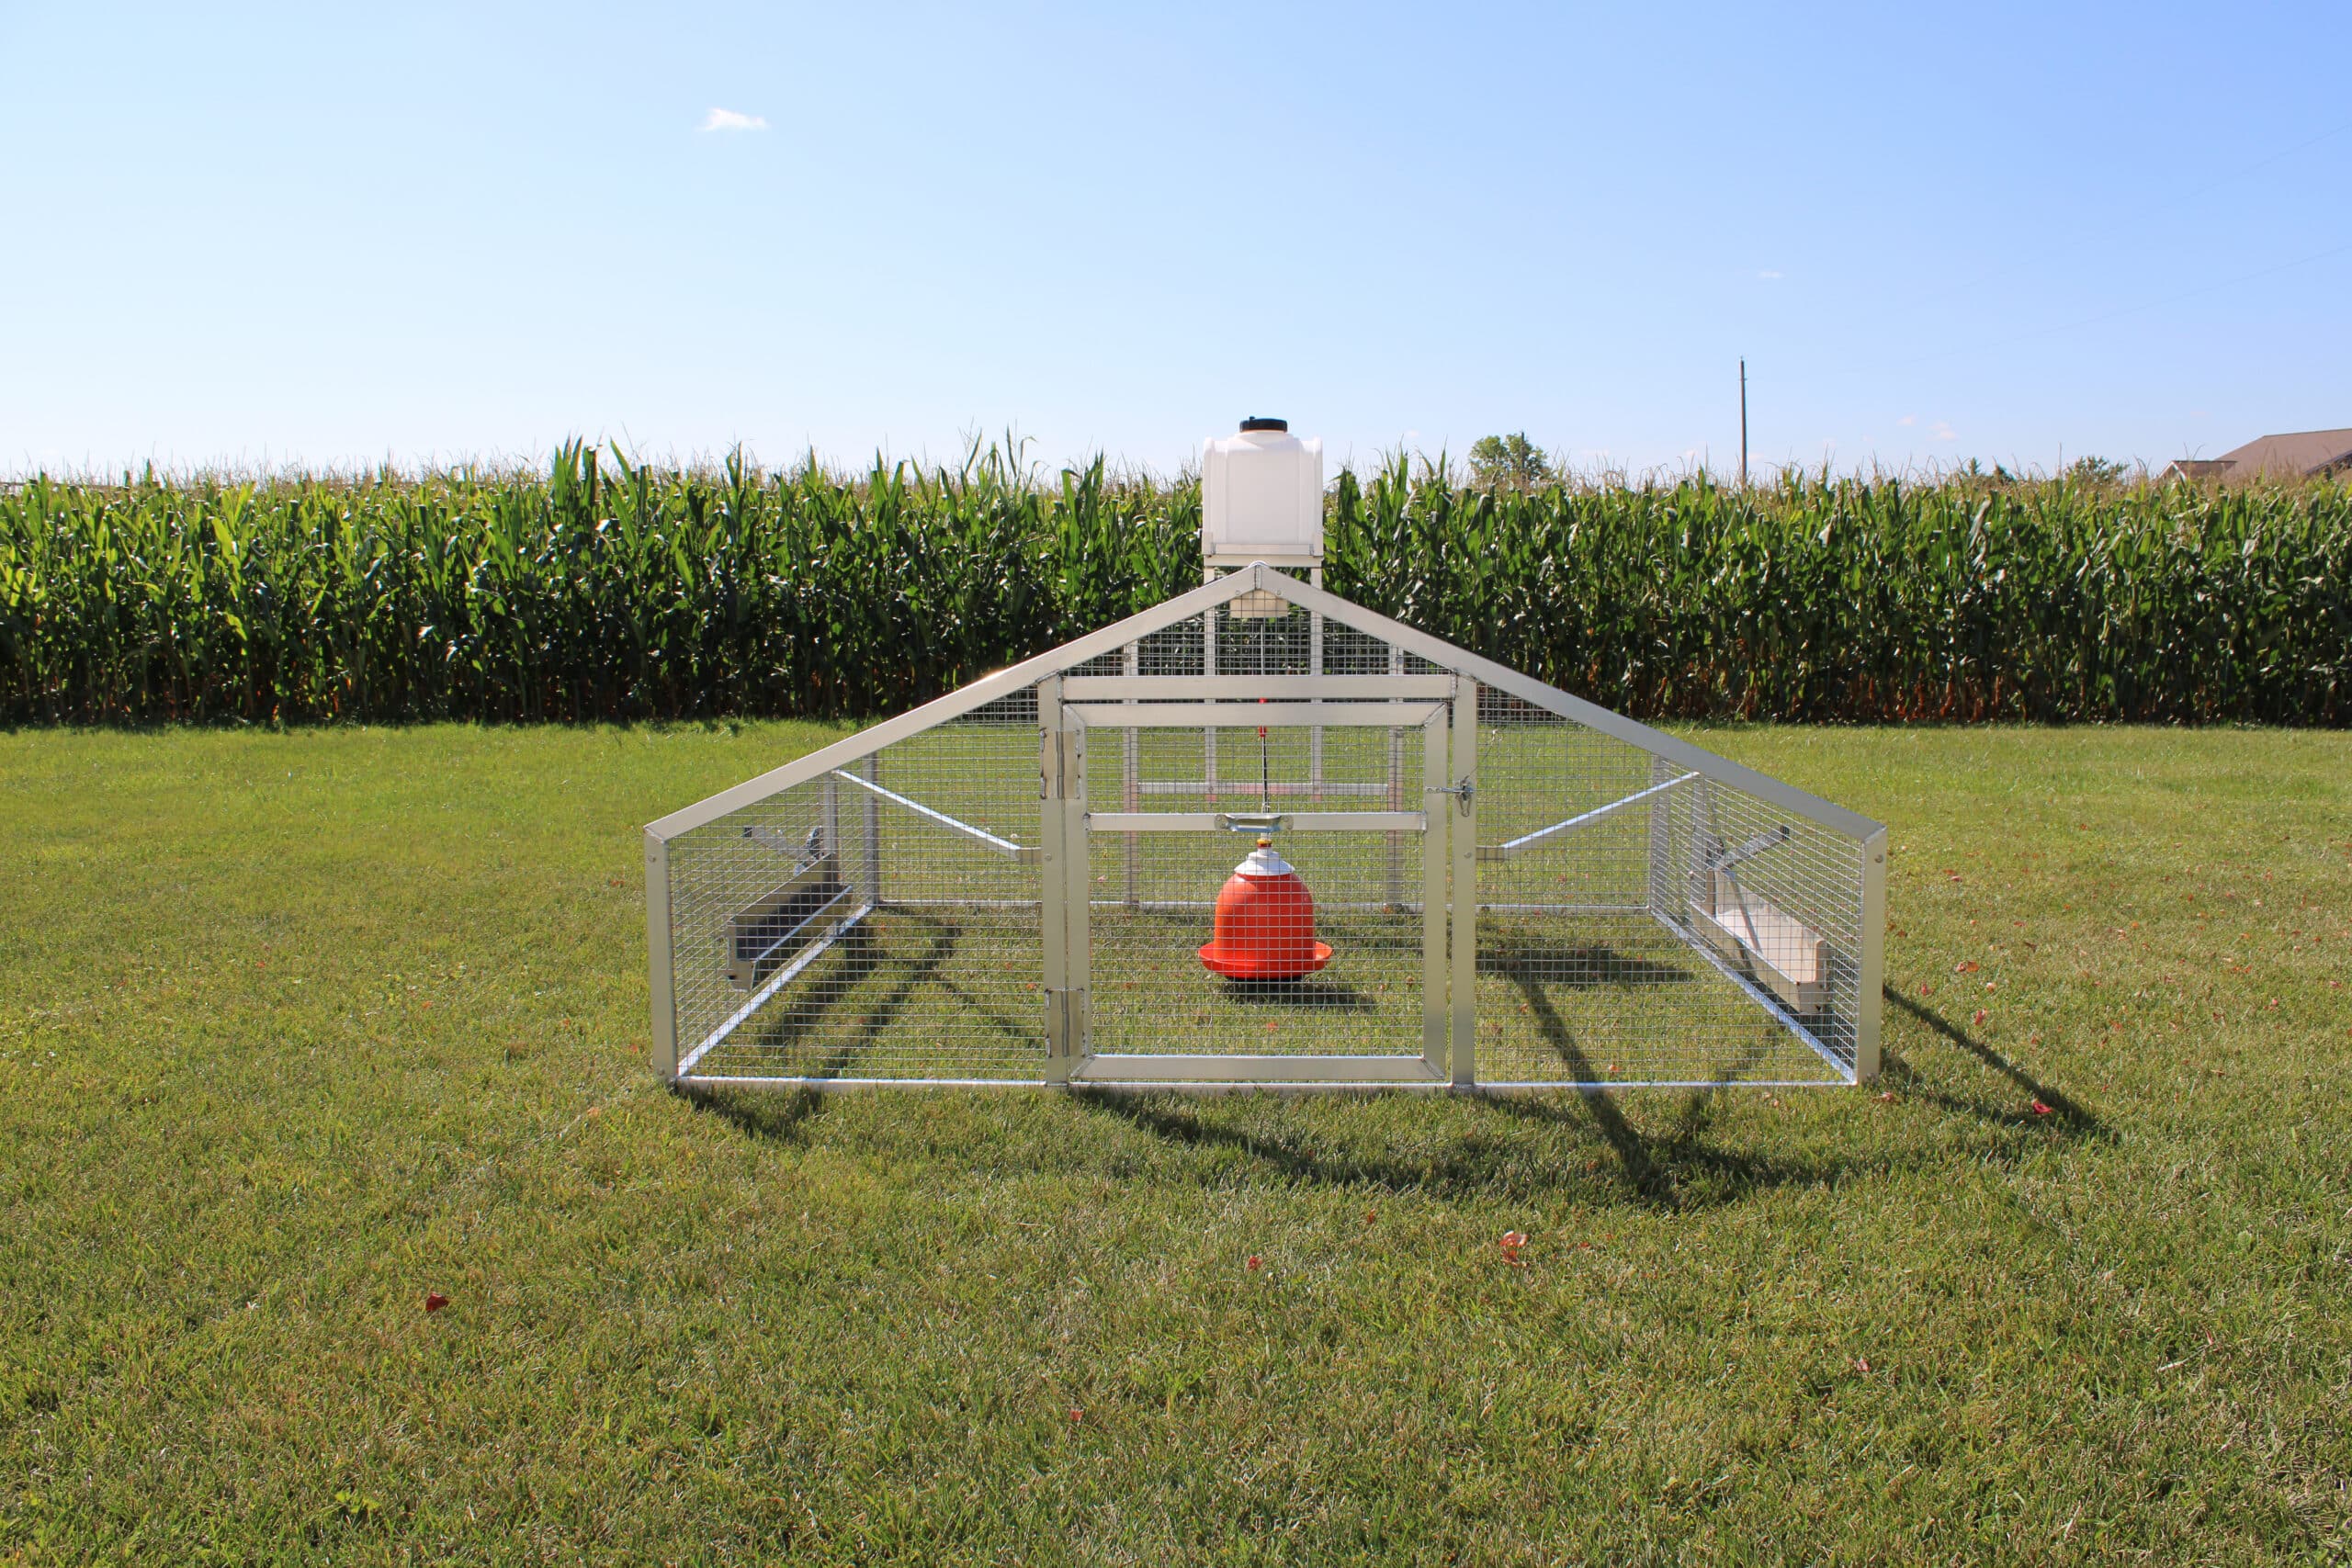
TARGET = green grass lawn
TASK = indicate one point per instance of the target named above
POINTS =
(295, 1029)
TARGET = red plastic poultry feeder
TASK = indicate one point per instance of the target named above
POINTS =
(1265, 922)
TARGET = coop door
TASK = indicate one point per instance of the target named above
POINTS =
(1171, 797)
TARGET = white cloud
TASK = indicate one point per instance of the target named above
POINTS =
(727, 119)
(1769, 276)
(1908, 419)
(1944, 431)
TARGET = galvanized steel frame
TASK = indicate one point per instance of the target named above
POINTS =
(1444, 705)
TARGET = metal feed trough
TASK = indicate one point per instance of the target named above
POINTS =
(1014, 883)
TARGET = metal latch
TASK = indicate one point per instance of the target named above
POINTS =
(1465, 791)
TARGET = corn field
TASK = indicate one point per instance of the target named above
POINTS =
(605, 591)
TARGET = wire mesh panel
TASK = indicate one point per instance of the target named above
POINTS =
(1612, 943)
(879, 922)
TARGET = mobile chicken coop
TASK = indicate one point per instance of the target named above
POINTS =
(1453, 875)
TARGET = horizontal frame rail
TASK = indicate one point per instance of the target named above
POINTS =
(1249, 688)
(1027, 854)
(1541, 836)
(1279, 788)
(1528, 1088)
(1211, 1068)
(1243, 822)
(1242, 715)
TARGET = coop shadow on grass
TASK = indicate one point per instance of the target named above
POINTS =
(1498, 1152)
(1314, 993)
(2071, 1116)
(1503, 1145)
(1680, 1170)
(1585, 965)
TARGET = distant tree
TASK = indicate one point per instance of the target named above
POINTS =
(2095, 470)
(1509, 461)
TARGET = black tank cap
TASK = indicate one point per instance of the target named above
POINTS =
(1254, 423)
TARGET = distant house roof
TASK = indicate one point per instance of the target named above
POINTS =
(2198, 468)
(2304, 454)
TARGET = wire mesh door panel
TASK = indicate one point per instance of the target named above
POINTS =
(1176, 805)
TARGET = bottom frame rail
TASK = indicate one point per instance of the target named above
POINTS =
(699, 1081)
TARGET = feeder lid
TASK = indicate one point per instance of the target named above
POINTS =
(1265, 861)
(1259, 421)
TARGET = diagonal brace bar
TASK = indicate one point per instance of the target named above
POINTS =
(775, 983)
(1544, 836)
(1025, 854)
(1771, 839)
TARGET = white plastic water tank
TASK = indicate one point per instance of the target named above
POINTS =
(1262, 497)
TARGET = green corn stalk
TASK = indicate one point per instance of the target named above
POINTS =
(604, 589)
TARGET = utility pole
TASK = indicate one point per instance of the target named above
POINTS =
(1743, 421)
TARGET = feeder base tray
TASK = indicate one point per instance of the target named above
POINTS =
(1252, 966)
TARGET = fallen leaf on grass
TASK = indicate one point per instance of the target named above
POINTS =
(2041, 1109)
(1512, 1241)
(1978, 1017)
(1254, 1264)
(435, 1301)
(1888, 1095)
(1967, 966)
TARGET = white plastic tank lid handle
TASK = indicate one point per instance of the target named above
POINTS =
(1265, 861)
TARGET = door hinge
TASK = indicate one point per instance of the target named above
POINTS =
(1066, 1020)
(1061, 764)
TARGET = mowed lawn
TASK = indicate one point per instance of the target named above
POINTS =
(297, 1029)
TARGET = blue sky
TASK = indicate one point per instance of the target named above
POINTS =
(332, 234)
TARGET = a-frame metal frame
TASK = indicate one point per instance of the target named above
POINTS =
(1063, 812)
